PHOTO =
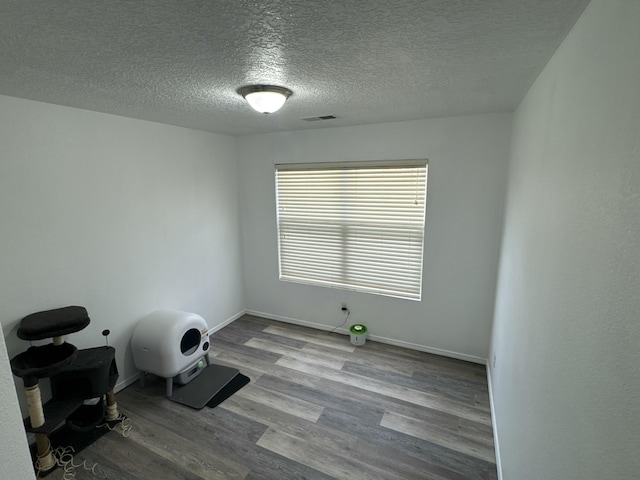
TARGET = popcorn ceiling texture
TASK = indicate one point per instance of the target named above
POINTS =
(366, 61)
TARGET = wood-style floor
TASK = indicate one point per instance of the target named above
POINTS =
(316, 408)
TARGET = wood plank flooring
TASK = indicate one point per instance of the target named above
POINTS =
(317, 407)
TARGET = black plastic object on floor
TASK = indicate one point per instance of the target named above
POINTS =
(215, 384)
(229, 389)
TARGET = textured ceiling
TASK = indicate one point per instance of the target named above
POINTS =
(365, 61)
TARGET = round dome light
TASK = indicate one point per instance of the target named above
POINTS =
(265, 98)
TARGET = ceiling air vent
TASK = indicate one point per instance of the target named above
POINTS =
(322, 117)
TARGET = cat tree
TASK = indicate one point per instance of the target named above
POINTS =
(75, 375)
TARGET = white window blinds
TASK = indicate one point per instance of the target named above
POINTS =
(358, 227)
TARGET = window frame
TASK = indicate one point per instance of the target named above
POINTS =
(347, 169)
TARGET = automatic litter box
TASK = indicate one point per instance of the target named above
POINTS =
(171, 344)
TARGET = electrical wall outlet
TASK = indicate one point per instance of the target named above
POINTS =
(344, 307)
(493, 362)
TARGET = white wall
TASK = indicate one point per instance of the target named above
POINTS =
(466, 185)
(566, 385)
(14, 451)
(119, 215)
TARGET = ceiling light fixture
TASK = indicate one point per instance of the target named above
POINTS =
(265, 98)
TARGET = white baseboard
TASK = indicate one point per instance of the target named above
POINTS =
(427, 349)
(295, 321)
(122, 384)
(494, 426)
(376, 338)
(229, 320)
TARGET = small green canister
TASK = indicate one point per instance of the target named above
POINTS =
(358, 334)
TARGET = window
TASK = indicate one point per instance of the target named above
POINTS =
(353, 226)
